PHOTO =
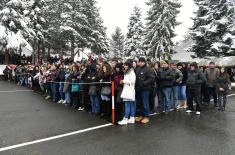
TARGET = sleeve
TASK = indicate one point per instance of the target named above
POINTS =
(180, 75)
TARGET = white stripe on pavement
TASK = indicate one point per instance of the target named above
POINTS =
(54, 137)
(15, 91)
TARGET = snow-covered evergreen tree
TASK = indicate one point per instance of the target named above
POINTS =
(98, 40)
(15, 26)
(134, 38)
(161, 22)
(117, 43)
(214, 29)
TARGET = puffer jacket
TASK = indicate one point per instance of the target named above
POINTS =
(166, 77)
(195, 79)
(144, 78)
(128, 93)
(223, 82)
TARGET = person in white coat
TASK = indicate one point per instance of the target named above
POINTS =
(128, 93)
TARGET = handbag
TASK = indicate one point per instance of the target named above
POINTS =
(92, 91)
(75, 88)
(106, 91)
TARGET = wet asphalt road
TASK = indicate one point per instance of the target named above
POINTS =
(26, 116)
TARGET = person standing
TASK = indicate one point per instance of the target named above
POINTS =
(223, 85)
(193, 83)
(211, 74)
(166, 79)
(128, 93)
(144, 81)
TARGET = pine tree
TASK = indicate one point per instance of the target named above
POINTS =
(117, 43)
(134, 38)
(15, 24)
(214, 29)
(161, 22)
(38, 23)
(98, 40)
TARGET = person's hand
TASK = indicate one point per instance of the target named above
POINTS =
(93, 78)
(121, 82)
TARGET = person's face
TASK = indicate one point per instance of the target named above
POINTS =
(104, 69)
(141, 64)
(74, 69)
(165, 65)
(212, 66)
(134, 64)
(173, 66)
(118, 69)
(180, 67)
(113, 64)
(126, 67)
(156, 66)
(192, 68)
(222, 70)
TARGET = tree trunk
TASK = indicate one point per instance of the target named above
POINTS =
(6, 56)
(72, 49)
(20, 53)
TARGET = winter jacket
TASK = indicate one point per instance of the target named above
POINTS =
(185, 76)
(178, 77)
(223, 82)
(144, 78)
(195, 79)
(166, 77)
(128, 93)
(211, 76)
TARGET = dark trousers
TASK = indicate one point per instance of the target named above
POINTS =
(75, 100)
(222, 99)
(194, 95)
(211, 91)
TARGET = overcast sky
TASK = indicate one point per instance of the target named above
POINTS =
(116, 13)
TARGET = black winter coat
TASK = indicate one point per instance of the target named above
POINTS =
(195, 79)
(223, 82)
(144, 78)
(166, 77)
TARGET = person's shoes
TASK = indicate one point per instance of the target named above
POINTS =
(145, 120)
(64, 102)
(48, 97)
(215, 105)
(223, 109)
(189, 111)
(131, 120)
(60, 101)
(123, 122)
(176, 109)
(198, 113)
(139, 119)
(220, 108)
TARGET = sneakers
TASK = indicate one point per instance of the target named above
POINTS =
(198, 113)
(189, 111)
(60, 101)
(145, 120)
(48, 97)
(81, 109)
(123, 122)
(131, 120)
(139, 119)
(64, 102)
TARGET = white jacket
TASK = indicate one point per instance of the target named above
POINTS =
(128, 92)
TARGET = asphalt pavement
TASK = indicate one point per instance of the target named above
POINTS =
(26, 116)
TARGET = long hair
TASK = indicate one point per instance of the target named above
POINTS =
(108, 70)
(225, 73)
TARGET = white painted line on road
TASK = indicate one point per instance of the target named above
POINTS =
(54, 137)
(15, 91)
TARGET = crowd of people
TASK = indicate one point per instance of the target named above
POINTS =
(142, 87)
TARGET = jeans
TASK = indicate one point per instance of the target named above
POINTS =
(165, 95)
(222, 99)
(143, 97)
(54, 92)
(61, 88)
(129, 109)
(68, 98)
(174, 94)
(182, 93)
(95, 104)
